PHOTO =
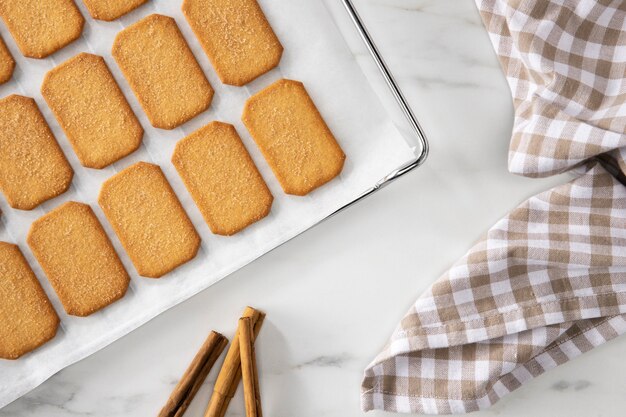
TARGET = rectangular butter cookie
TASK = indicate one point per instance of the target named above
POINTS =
(42, 27)
(293, 137)
(92, 110)
(162, 71)
(148, 219)
(27, 318)
(33, 168)
(236, 36)
(78, 259)
(222, 178)
(109, 10)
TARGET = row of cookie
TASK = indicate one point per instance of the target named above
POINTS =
(282, 119)
(235, 34)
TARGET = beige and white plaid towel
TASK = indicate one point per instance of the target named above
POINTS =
(548, 281)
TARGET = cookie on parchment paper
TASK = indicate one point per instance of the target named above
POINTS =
(162, 71)
(236, 36)
(78, 258)
(33, 168)
(42, 27)
(222, 178)
(293, 137)
(149, 219)
(91, 109)
(109, 10)
(27, 318)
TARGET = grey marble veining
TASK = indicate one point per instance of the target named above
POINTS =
(334, 294)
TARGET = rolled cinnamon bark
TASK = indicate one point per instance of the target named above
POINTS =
(249, 375)
(230, 374)
(257, 392)
(194, 376)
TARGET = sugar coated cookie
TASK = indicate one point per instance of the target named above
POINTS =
(149, 219)
(42, 27)
(33, 168)
(78, 259)
(293, 137)
(27, 319)
(222, 178)
(236, 37)
(162, 71)
(109, 10)
(92, 110)
(7, 63)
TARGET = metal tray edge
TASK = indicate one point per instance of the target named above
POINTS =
(422, 155)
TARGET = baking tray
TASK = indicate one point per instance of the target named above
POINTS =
(84, 336)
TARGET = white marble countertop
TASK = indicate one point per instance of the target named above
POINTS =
(334, 294)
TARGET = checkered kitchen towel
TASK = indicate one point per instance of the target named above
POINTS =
(548, 281)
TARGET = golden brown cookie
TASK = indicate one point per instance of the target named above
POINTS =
(78, 259)
(162, 71)
(293, 137)
(33, 168)
(222, 178)
(27, 319)
(109, 10)
(42, 27)
(149, 219)
(7, 63)
(92, 110)
(236, 37)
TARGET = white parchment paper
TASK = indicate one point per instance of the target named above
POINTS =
(316, 54)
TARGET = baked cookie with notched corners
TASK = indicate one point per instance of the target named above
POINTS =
(222, 178)
(148, 219)
(27, 318)
(293, 137)
(42, 27)
(33, 168)
(236, 36)
(109, 10)
(92, 110)
(162, 71)
(78, 259)
(7, 63)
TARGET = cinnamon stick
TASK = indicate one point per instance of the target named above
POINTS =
(249, 374)
(194, 376)
(200, 380)
(230, 374)
(257, 392)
